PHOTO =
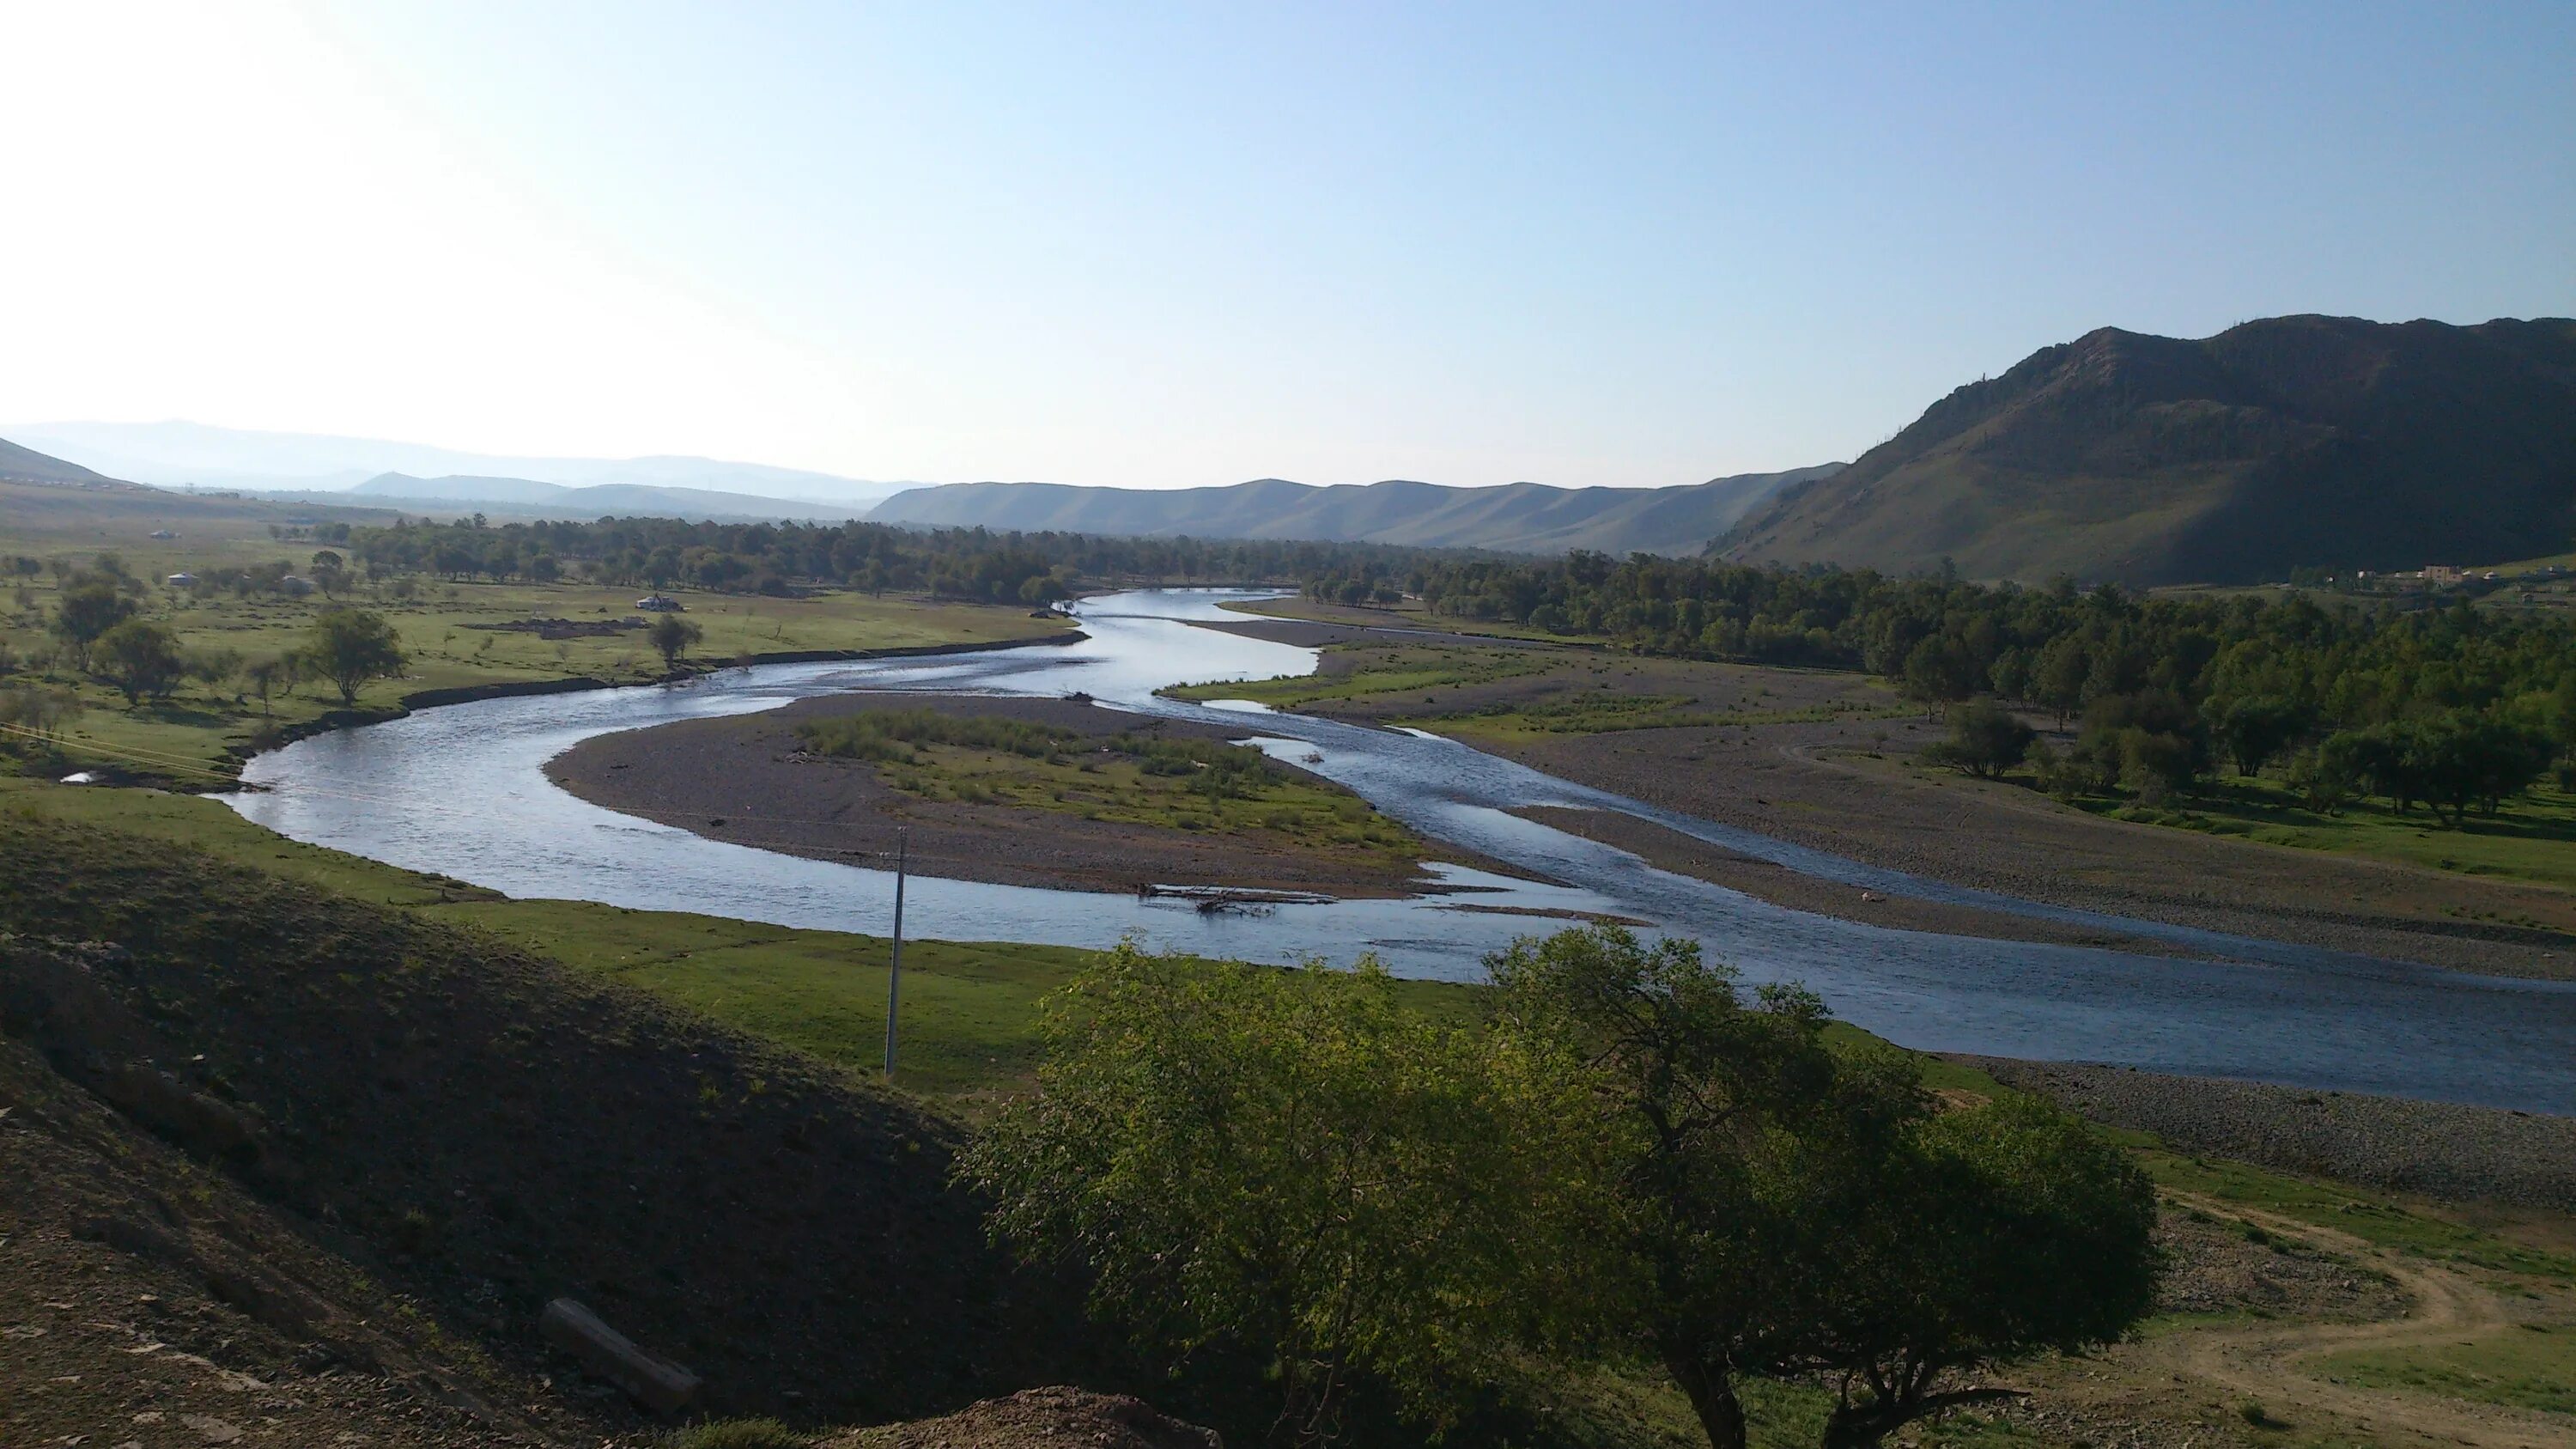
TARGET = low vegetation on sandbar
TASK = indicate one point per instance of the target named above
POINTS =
(1132, 778)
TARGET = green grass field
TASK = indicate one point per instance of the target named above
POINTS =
(1291, 813)
(2532, 839)
(2531, 1366)
(969, 1009)
(1388, 670)
(448, 638)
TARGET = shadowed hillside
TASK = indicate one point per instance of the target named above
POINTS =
(1523, 517)
(480, 1131)
(2325, 442)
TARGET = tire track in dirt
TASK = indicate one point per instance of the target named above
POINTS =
(2269, 1363)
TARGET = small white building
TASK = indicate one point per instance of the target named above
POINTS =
(659, 604)
(181, 581)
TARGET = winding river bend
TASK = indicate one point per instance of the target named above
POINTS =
(461, 790)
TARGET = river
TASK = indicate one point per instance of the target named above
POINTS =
(461, 790)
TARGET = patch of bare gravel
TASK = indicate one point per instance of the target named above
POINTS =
(2439, 1149)
(1048, 1418)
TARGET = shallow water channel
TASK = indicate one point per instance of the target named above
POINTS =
(461, 790)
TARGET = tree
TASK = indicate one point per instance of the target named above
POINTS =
(351, 647)
(1792, 1209)
(1992, 1235)
(1698, 1094)
(268, 676)
(330, 572)
(1941, 671)
(670, 635)
(1985, 739)
(91, 605)
(2253, 730)
(1293, 1164)
(141, 659)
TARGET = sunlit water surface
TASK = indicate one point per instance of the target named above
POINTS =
(461, 790)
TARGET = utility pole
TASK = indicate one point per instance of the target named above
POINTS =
(894, 978)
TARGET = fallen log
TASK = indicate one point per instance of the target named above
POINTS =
(657, 1383)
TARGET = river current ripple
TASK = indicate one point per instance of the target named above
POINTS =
(461, 790)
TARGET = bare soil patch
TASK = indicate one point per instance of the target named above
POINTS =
(1049, 1418)
(1770, 881)
(748, 780)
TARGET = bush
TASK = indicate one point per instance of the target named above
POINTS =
(1986, 739)
(738, 1434)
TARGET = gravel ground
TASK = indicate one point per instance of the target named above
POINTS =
(1050, 1418)
(2434, 1148)
(1790, 773)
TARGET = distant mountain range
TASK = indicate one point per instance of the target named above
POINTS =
(2318, 441)
(2325, 442)
(1520, 517)
(529, 497)
(178, 454)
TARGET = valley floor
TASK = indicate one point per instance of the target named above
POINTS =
(155, 1290)
(1828, 760)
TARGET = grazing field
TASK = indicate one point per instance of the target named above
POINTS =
(454, 636)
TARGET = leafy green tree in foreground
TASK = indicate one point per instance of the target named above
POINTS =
(670, 635)
(1290, 1163)
(141, 659)
(351, 647)
(1795, 1210)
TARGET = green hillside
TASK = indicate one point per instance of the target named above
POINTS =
(2322, 442)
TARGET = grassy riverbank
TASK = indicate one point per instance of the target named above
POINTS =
(969, 1008)
(461, 635)
(2273, 1268)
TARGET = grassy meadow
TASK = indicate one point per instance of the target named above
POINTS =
(455, 635)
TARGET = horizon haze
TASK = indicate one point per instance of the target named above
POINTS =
(1643, 249)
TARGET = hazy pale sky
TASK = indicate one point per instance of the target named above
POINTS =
(1155, 246)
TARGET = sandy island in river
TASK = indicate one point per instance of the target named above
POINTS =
(754, 780)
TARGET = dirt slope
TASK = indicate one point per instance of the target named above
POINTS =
(478, 1132)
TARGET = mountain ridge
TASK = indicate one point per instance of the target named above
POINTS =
(1515, 517)
(175, 453)
(539, 498)
(2287, 442)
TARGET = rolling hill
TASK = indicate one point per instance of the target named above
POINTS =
(26, 465)
(2293, 441)
(531, 497)
(1521, 517)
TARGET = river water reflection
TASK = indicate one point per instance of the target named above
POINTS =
(461, 791)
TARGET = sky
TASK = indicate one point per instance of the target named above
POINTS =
(1160, 246)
